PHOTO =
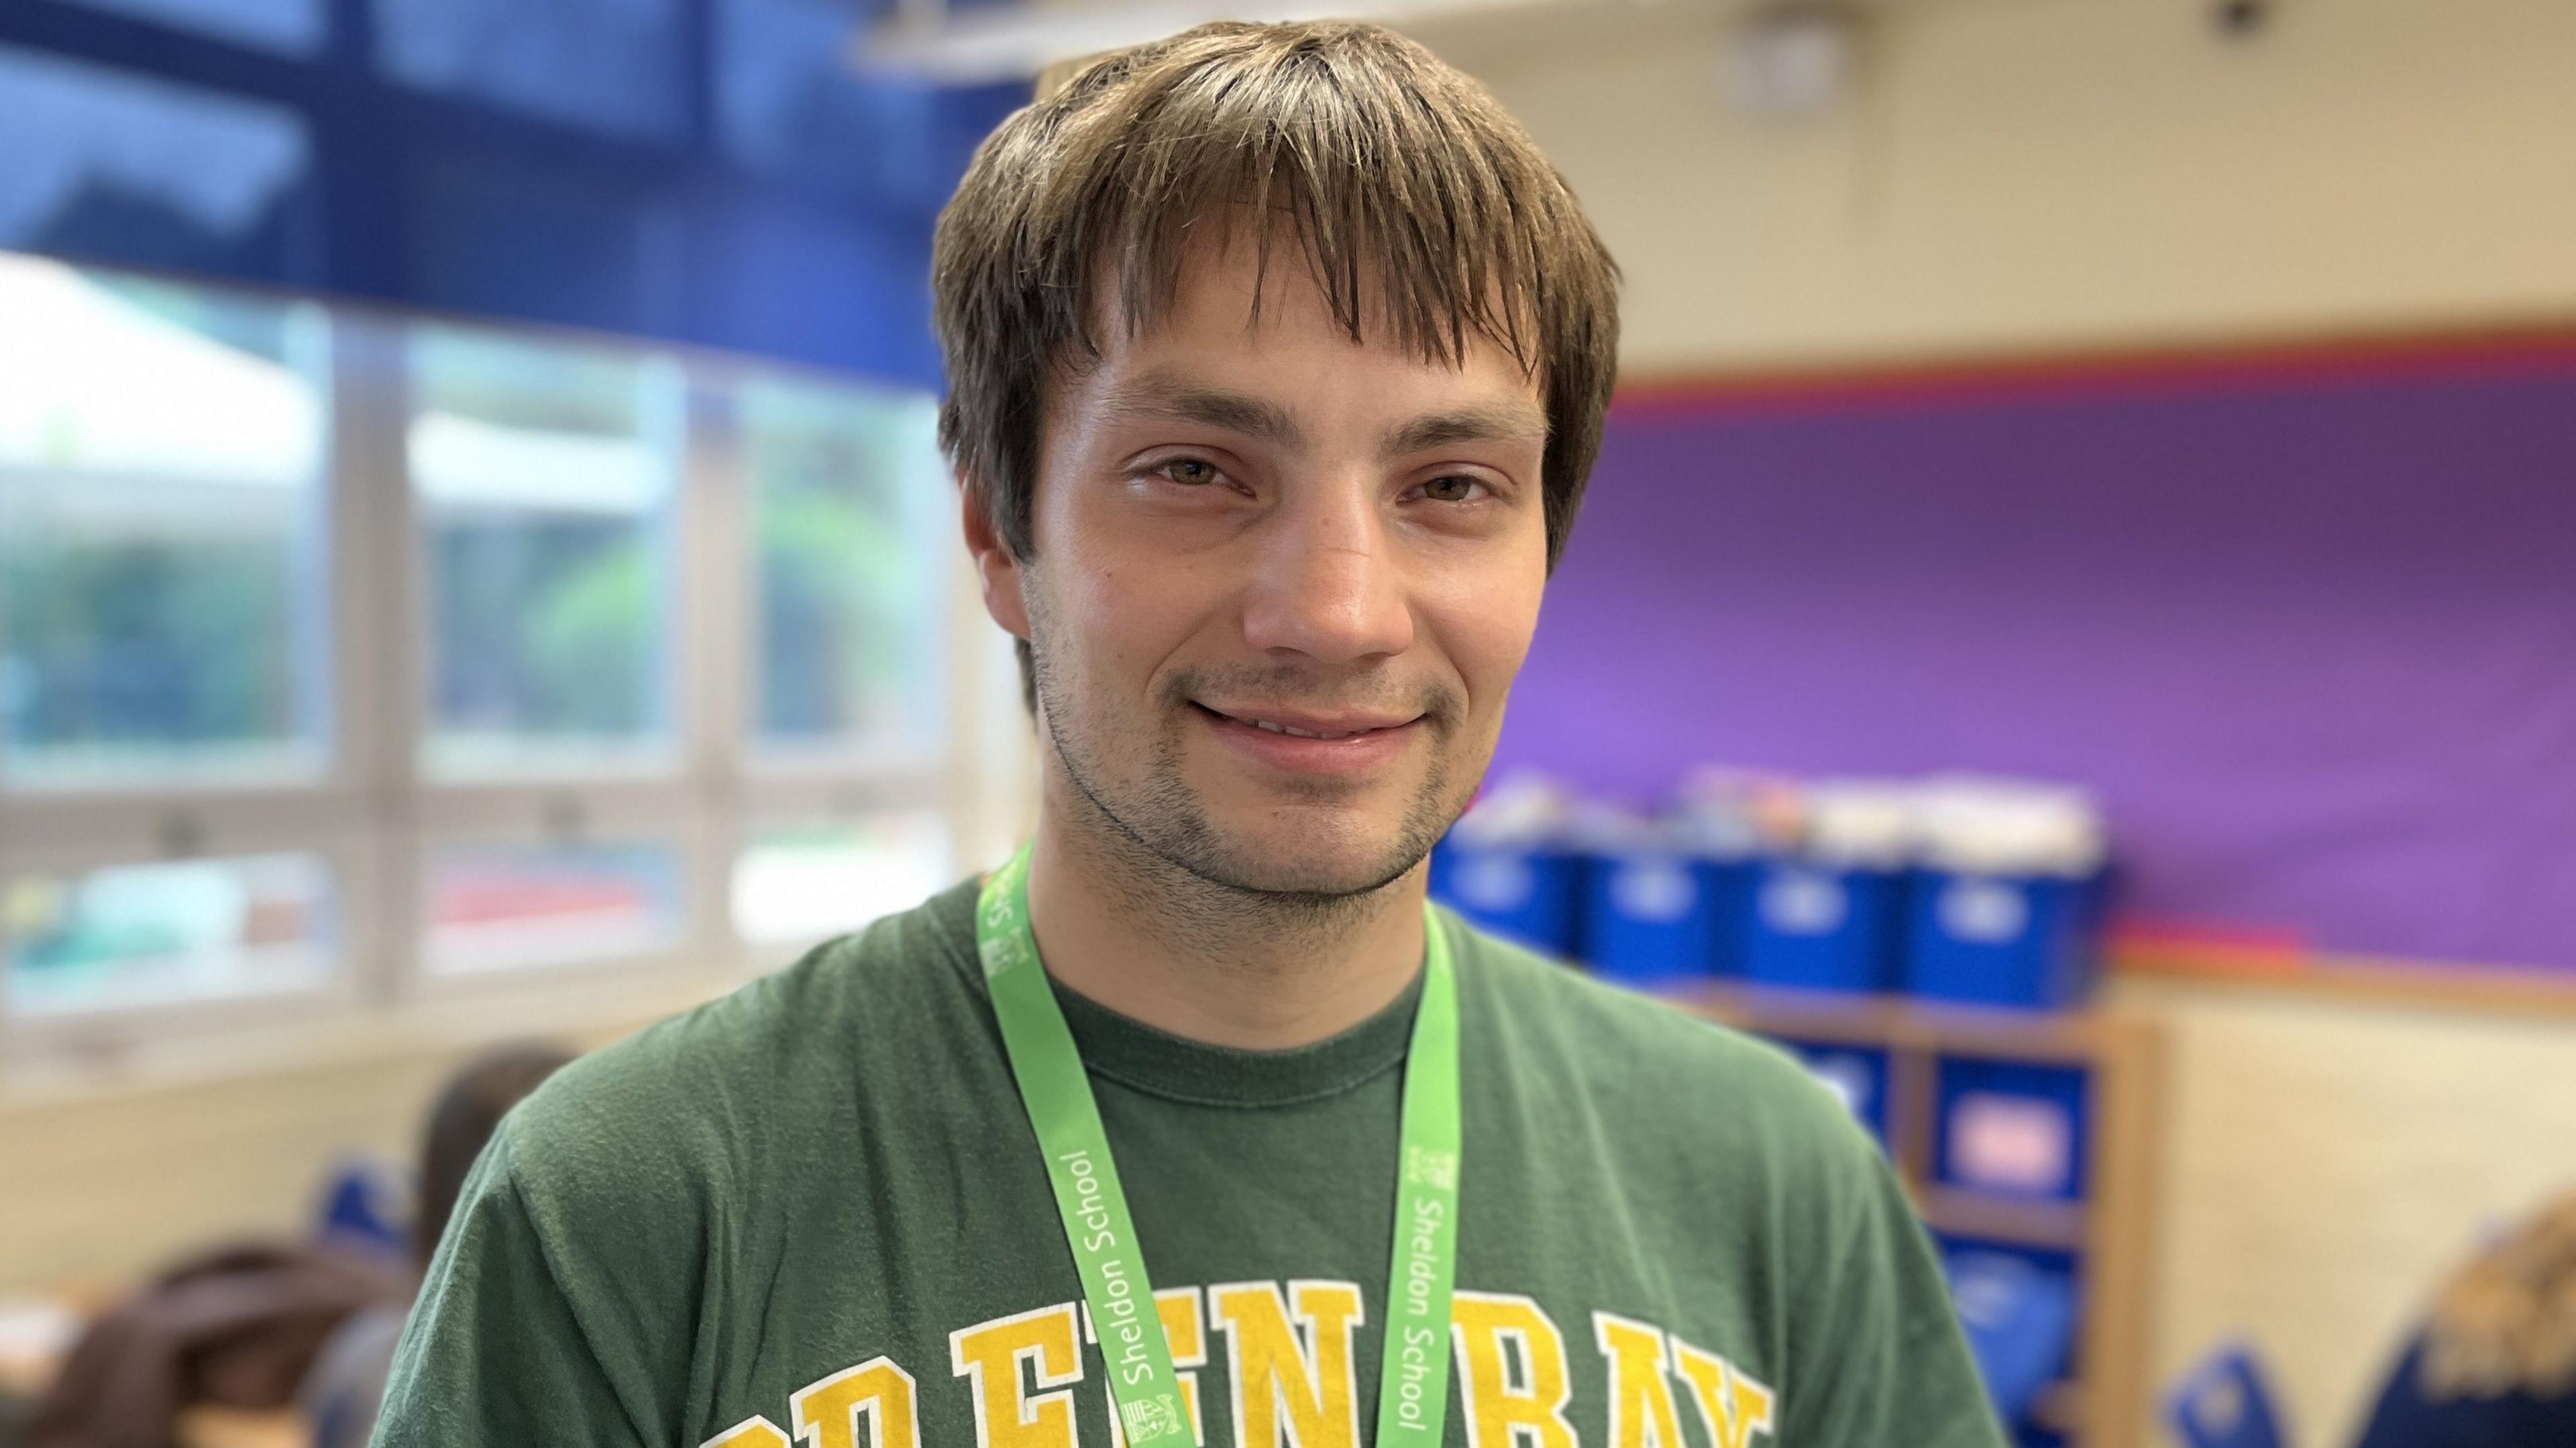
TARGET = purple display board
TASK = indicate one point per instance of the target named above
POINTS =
(2309, 633)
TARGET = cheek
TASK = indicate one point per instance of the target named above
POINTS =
(1486, 632)
(1124, 605)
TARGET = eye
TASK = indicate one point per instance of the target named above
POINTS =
(1189, 472)
(1454, 488)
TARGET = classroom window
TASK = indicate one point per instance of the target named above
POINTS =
(166, 933)
(803, 882)
(161, 531)
(175, 619)
(545, 477)
(848, 498)
(513, 906)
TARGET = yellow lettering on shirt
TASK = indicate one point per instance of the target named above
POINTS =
(990, 1356)
(1734, 1406)
(1293, 1384)
(752, 1432)
(1507, 1409)
(827, 1411)
(1642, 1413)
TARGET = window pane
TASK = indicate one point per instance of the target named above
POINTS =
(148, 934)
(116, 167)
(805, 882)
(788, 100)
(294, 27)
(545, 476)
(503, 906)
(611, 65)
(161, 529)
(779, 72)
(850, 498)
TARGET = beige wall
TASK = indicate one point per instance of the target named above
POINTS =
(2011, 175)
(107, 1179)
(107, 1188)
(2328, 1162)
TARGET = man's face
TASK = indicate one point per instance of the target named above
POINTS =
(1281, 583)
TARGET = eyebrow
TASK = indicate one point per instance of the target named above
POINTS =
(1159, 396)
(1476, 422)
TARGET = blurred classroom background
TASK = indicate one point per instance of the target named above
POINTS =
(2071, 630)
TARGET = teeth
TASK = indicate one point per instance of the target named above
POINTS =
(1299, 733)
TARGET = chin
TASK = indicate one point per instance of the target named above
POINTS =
(1306, 880)
(1315, 840)
(1299, 857)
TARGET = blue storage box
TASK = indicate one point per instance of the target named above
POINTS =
(1824, 927)
(2008, 908)
(1857, 1074)
(1656, 916)
(2019, 1312)
(1531, 894)
(2011, 1128)
(2005, 940)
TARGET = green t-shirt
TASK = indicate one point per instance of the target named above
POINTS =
(814, 1212)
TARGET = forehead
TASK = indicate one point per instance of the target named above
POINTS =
(1231, 311)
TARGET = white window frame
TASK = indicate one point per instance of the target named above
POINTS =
(376, 814)
(45, 827)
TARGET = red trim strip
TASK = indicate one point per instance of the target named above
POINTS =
(2156, 946)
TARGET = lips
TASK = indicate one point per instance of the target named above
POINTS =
(1313, 745)
(1298, 725)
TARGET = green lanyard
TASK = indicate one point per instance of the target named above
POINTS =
(1413, 1391)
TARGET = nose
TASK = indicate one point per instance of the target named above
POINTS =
(1328, 582)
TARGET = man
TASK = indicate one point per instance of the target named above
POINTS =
(1278, 360)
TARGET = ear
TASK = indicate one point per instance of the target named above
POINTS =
(996, 571)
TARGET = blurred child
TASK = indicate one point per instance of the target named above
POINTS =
(2495, 1366)
(347, 1381)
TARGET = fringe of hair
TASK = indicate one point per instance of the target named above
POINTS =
(2507, 1323)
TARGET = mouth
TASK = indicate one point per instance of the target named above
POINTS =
(1306, 742)
(1300, 725)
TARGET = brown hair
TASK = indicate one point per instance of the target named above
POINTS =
(2507, 1323)
(1386, 165)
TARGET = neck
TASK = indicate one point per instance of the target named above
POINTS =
(1153, 942)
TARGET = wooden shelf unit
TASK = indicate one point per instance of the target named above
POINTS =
(2104, 1404)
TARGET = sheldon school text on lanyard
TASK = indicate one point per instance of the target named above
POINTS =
(1413, 1386)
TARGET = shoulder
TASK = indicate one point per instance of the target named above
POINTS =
(684, 1106)
(1654, 1072)
(1756, 1173)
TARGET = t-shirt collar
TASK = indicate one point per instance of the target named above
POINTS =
(1123, 1049)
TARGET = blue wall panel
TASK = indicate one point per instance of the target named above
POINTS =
(779, 204)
